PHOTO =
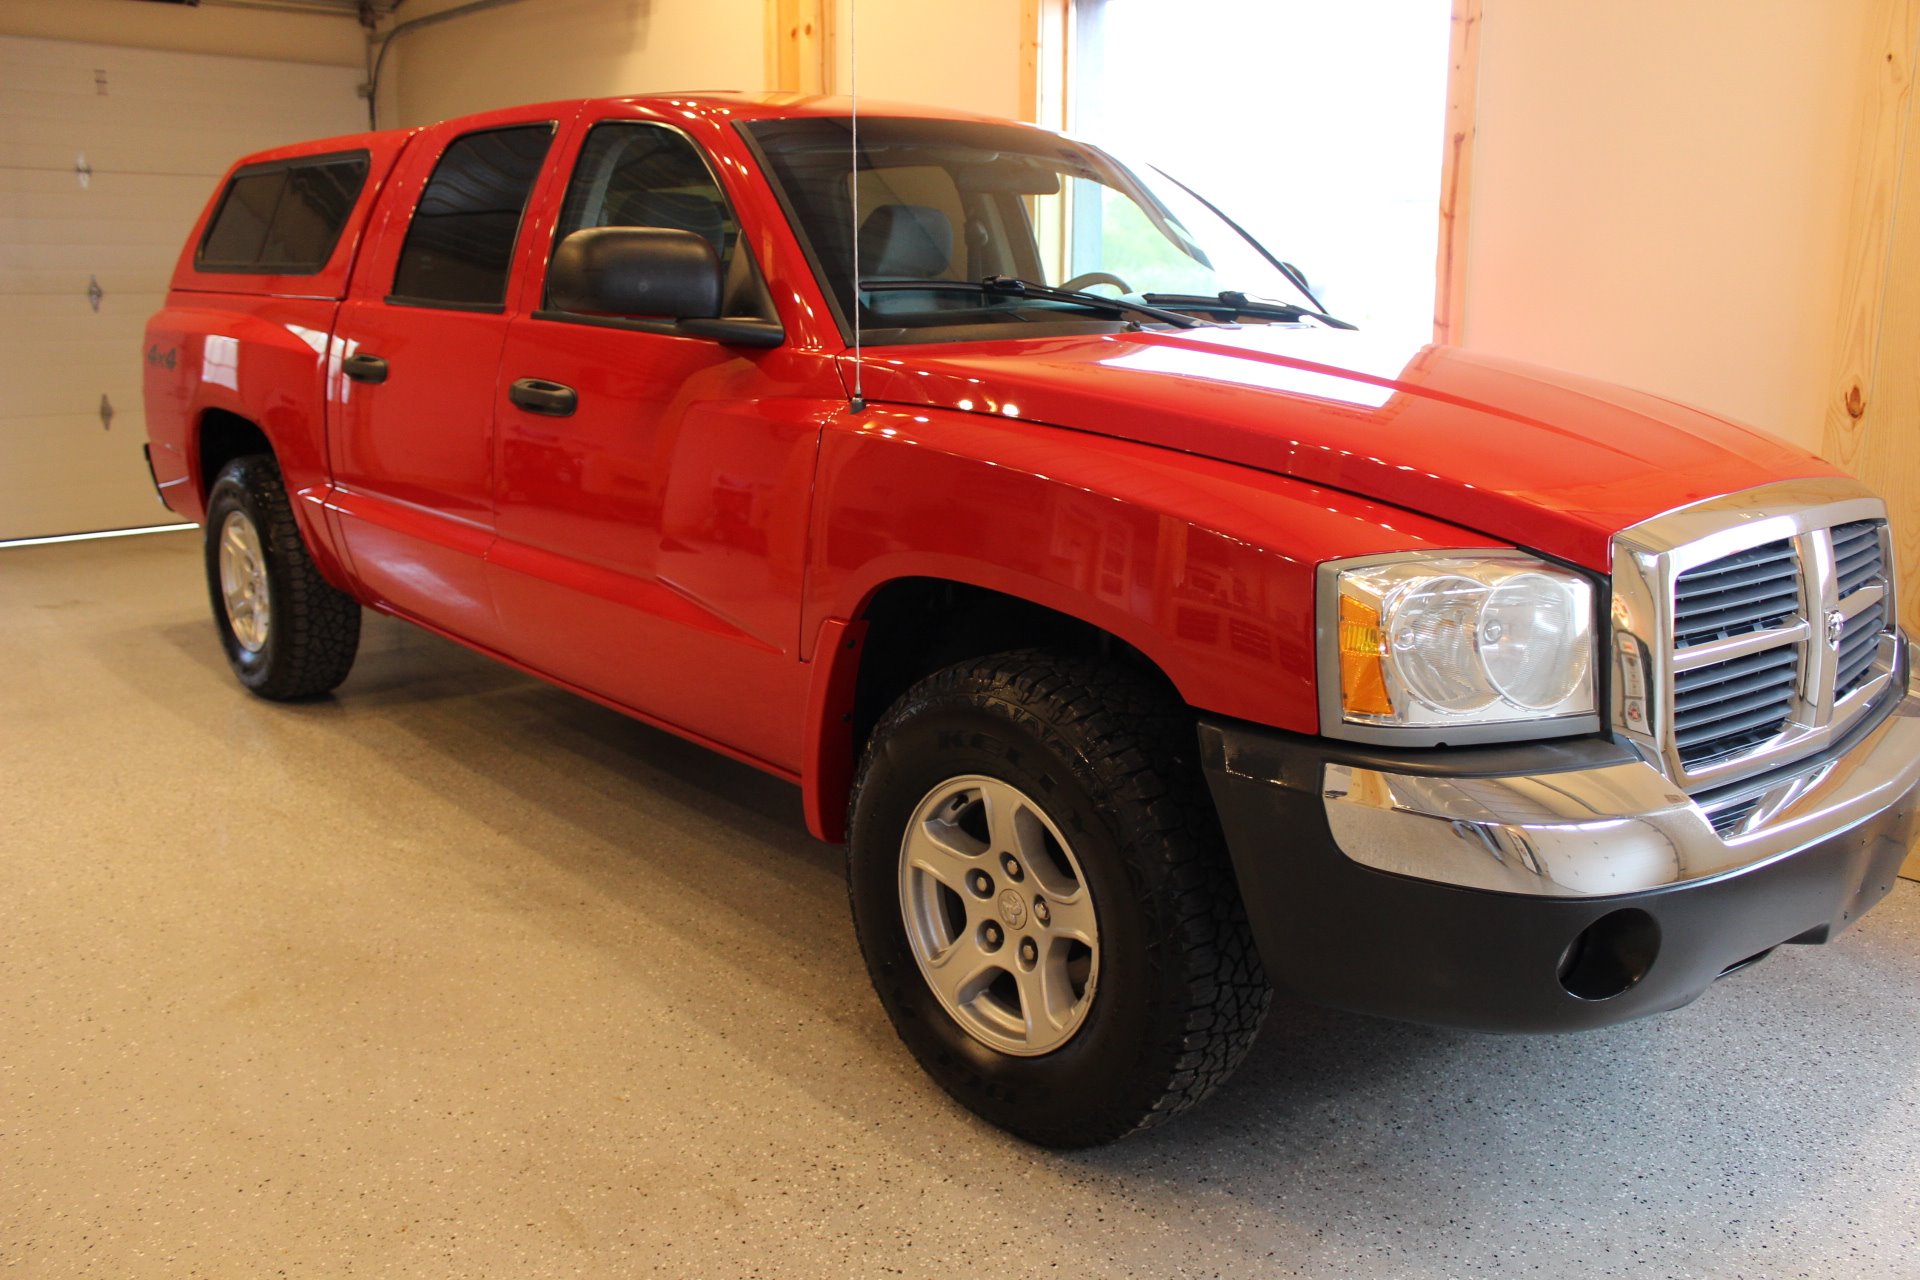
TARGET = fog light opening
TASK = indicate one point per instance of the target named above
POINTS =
(1610, 955)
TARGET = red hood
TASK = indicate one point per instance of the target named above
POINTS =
(1544, 459)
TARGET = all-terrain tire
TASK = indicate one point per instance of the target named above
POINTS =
(1105, 757)
(301, 632)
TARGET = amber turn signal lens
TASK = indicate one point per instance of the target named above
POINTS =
(1363, 681)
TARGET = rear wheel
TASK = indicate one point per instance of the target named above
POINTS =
(1043, 899)
(287, 632)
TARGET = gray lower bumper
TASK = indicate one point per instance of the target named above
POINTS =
(1546, 886)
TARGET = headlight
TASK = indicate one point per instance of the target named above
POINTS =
(1455, 641)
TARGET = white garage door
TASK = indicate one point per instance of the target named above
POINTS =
(107, 156)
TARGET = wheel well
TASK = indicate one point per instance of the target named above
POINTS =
(225, 436)
(915, 626)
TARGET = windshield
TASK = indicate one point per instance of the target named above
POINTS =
(952, 202)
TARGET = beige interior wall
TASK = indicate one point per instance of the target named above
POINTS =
(245, 33)
(1660, 195)
(538, 50)
(966, 56)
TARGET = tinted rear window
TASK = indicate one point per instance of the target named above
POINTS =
(283, 218)
(460, 244)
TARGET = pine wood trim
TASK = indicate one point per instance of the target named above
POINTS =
(1882, 141)
(1030, 42)
(1046, 38)
(799, 47)
(1456, 173)
(1874, 395)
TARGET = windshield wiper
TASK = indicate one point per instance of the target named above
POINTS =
(1240, 304)
(1014, 287)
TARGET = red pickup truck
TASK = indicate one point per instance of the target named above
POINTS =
(1148, 635)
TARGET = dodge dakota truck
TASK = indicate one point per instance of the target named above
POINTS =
(1152, 638)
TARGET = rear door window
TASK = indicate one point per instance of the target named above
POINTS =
(459, 247)
(283, 218)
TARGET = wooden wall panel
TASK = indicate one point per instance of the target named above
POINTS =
(1873, 411)
(800, 54)
(1882, 444)
(1046, 52)
(1872, 283)
(1456, 174)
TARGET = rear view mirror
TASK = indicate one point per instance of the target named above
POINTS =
(635, 271)
(1008, 177)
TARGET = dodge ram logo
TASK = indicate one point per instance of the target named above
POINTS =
(1836, 625)
(1013, 909)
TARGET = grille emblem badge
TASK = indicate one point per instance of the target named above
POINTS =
(1836, 625)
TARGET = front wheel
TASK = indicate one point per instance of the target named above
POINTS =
(1043, 899)
(287, 632)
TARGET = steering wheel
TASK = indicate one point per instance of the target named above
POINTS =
(1086, 278)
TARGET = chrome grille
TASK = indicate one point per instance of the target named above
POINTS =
(1859, 562)
(1728, 819)
(1857, 558)
(1729, 707)
(1859, 644)
(1749, 591)
(1725, 708)
(1751, 630)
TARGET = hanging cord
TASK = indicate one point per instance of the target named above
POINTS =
(859, 402)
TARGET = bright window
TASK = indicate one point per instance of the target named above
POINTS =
(1317, 125)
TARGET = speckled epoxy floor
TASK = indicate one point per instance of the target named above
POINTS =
(457, 975)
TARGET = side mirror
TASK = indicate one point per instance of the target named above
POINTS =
(635, 271)
(1299, 277)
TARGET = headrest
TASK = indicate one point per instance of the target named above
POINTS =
(905, 241)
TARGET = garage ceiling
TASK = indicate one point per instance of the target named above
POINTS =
(346, 8)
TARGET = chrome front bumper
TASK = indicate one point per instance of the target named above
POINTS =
(1619, 828)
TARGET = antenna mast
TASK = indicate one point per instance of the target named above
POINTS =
(859, 402)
